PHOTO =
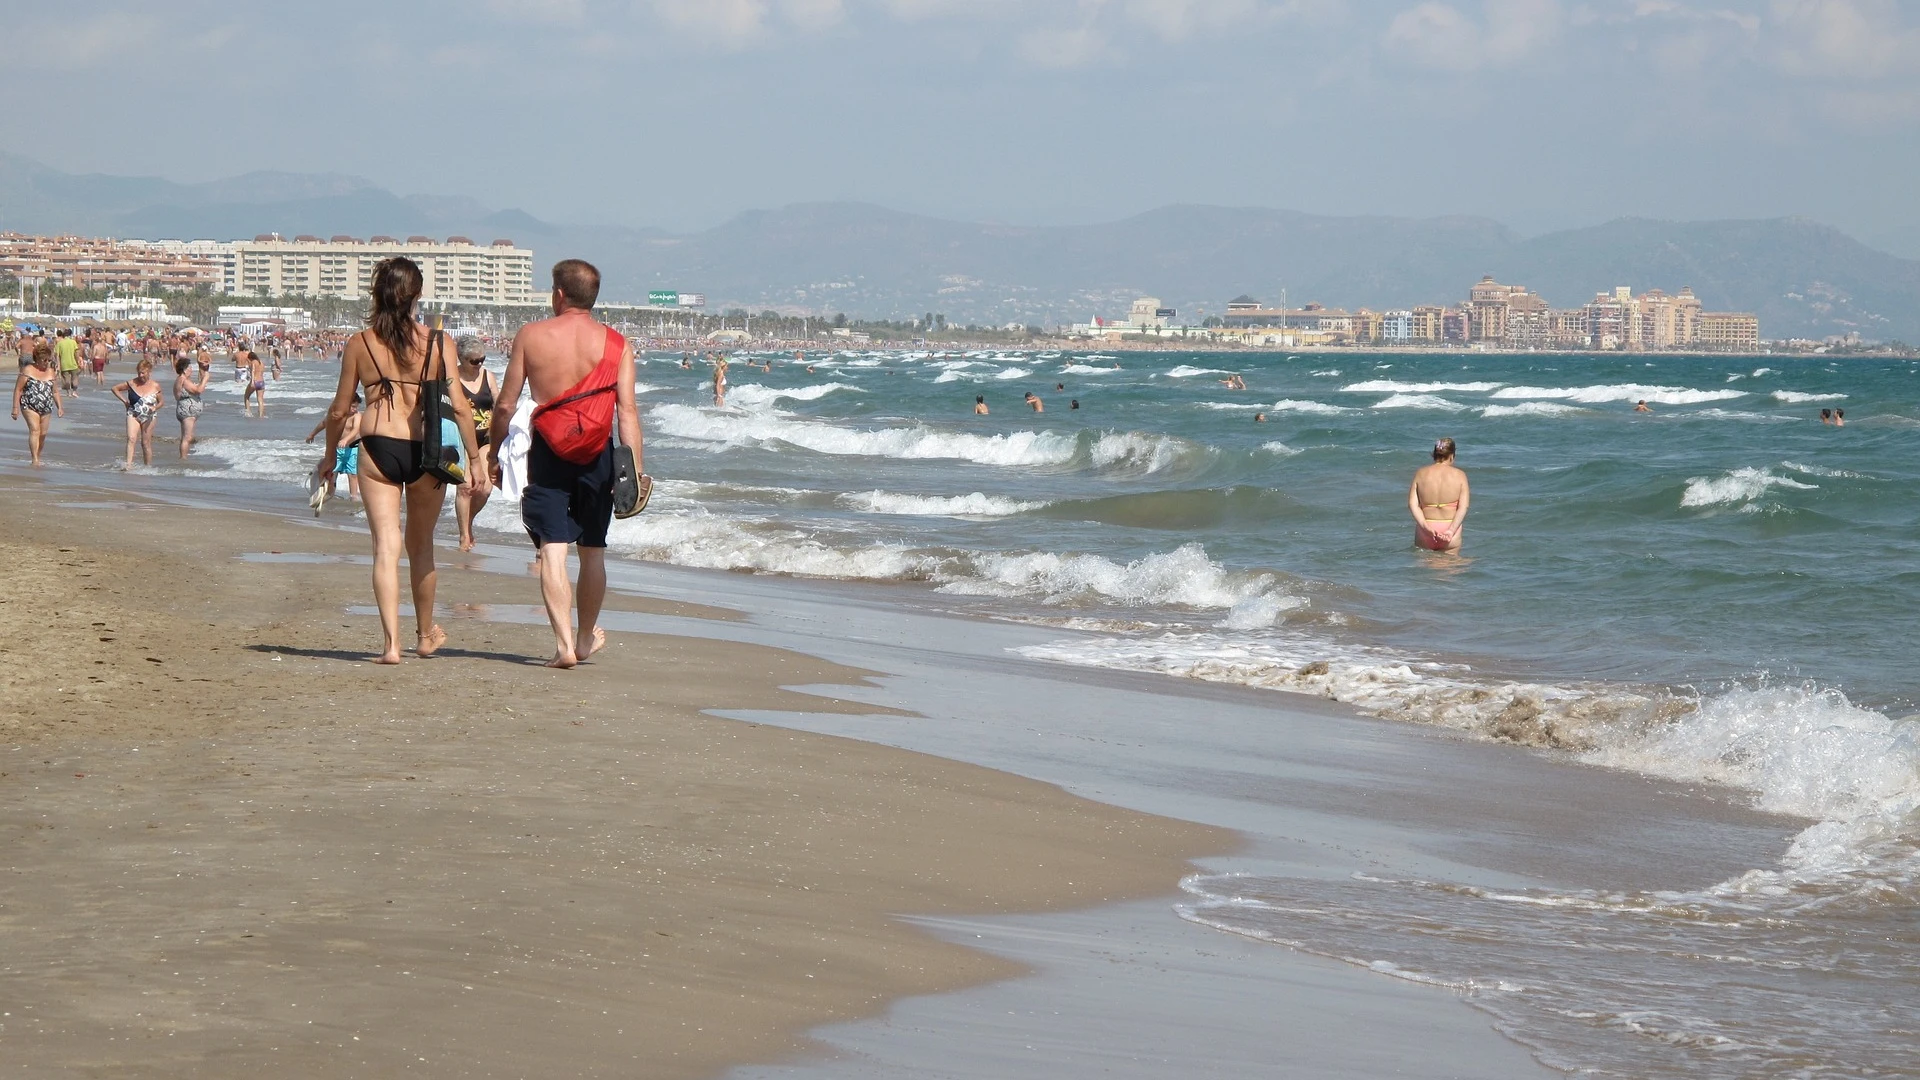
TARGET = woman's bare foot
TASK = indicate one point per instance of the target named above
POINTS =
(466, 541)
(599, 642)
(563, 660)
(389, 659)
(431, 641)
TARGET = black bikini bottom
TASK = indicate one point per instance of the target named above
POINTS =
(397, 460)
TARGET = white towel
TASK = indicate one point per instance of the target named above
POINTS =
(513, 453)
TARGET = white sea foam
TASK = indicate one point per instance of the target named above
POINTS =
(1389, 386)
(286, 461)
(1418, 401)
(1820, 470)
(1665, 395)
(974, 505)
(1330, 373)
(1291, 405)
(1795, 397)
(698, 538)
(1085, 369)
(1142, 452)
(1187, 371)
(1762, 372)
(918, 443)
(1531, 408)
(1230, 406)
(1801, 751)
(1184, 577)
(1278, 448)
(1735, 488)
(750, 395)
(1741, 415)
(1013, 373)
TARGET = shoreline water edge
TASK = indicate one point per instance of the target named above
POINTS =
(1744, 919)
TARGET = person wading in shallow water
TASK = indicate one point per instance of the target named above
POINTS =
(1438, 500)
(582, 375)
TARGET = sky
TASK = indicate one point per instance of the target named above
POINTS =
(1543, 114)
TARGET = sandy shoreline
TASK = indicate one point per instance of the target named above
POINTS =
(233, 848)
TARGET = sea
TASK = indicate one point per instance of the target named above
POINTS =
(1719, 591)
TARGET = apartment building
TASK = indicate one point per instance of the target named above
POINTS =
(82, 262)
(457, 271)
(1727, 331)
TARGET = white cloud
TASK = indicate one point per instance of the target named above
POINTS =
(1861, 39)
(1441, 36)
(1179, 19)
(734, 23)
(566, 12)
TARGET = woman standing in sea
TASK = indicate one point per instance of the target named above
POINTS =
(37, 393)
(396, 359)
(143, 398)
(186, 397)
(1438, 500)
(477, 381)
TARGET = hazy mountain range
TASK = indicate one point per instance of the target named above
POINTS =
(1803, 278)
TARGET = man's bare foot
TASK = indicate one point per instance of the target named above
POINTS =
(466, 542)
(431, 641)
(599, 642)
(563, 660)
(388, 659)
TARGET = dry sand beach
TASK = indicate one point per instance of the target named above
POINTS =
(234, 849)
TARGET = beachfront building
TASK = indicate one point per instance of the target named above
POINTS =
(123, 309)
(1724, 331)
(286, 318)
(457, 271)
(1396, 328)
(82, 262)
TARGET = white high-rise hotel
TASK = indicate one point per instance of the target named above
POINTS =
(458, 271)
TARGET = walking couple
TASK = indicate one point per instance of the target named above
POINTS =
(581, 374)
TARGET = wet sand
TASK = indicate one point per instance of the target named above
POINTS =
(232, 847)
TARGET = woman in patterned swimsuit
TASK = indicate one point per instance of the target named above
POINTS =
(143, 397)
(186, 397)
(37, 394)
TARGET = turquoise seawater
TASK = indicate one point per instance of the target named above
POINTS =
(1726, 535)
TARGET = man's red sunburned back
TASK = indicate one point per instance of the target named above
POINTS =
(560, 352)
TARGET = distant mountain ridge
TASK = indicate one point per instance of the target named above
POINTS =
(1801, 277)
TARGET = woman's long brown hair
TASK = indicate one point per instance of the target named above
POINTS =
(396, 288)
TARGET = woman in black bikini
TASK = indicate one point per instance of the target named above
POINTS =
(390, 359)
(477, 381)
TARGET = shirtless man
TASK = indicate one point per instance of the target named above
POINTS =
(1438, 501)
(1035, 403)
(564, 503)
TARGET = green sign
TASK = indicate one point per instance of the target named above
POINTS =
(663, 298)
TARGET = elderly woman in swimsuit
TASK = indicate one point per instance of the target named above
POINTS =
(477, 381)
(142, 396)
(391, 360)
(37, 394)
(1438, 500)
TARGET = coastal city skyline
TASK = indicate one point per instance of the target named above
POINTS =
(496, 275)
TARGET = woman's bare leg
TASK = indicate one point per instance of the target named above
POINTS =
(425, 500)
(383, 520)
(146, 442)
(133, 438)
(36, 434)
(186, 435)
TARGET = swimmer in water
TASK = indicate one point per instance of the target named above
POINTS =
(1035, 403)
(1839, 418)
(1075, 405)
(1438, 500)
(1826, 416)
(1259, 418)
(1642, 407)
(980, 406)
